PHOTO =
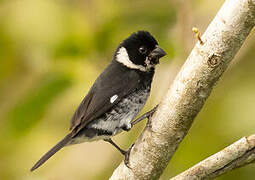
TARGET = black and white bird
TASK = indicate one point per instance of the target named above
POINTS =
(117, 95)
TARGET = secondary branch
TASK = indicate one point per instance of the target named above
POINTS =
(238, 154)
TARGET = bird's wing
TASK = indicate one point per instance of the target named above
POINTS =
(111, 86)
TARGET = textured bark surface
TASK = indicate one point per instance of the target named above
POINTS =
(186, 96)
(236, 155)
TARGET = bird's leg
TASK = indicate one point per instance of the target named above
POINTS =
(146, 115)
(115, 145)
(123, 152)
(127, 153)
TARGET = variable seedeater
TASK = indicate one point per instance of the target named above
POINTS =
(117, 95)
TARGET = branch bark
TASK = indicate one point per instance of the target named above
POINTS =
(234, 156)
(186, 96)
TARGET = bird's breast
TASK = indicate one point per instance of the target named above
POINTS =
(117, 119)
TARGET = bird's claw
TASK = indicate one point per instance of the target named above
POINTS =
(127, 155)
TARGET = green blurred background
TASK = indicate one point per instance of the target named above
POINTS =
(51, 51)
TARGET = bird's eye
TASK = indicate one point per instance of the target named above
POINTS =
(142, 50)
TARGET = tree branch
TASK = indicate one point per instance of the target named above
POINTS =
(186, 96)
(239, 154)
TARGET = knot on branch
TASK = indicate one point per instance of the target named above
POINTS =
(213, 60)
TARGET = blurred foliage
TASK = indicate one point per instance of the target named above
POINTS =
(31, 107)
(52, 51)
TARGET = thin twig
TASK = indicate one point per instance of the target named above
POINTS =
(197, 32)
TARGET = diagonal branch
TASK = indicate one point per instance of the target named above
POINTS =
(238, 154)
(186, 96)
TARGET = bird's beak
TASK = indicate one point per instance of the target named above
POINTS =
(157, 53)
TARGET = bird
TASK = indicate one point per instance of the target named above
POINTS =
(117, 95)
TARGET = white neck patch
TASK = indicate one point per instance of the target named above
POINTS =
(123, 58)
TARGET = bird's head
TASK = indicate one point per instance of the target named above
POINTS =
(139, 51)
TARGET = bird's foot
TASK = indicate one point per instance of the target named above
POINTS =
(127, 155)
(144, 116)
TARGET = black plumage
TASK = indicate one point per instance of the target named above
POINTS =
(120, 81)
(117, 95)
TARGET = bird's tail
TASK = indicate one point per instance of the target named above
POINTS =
(53, 150)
